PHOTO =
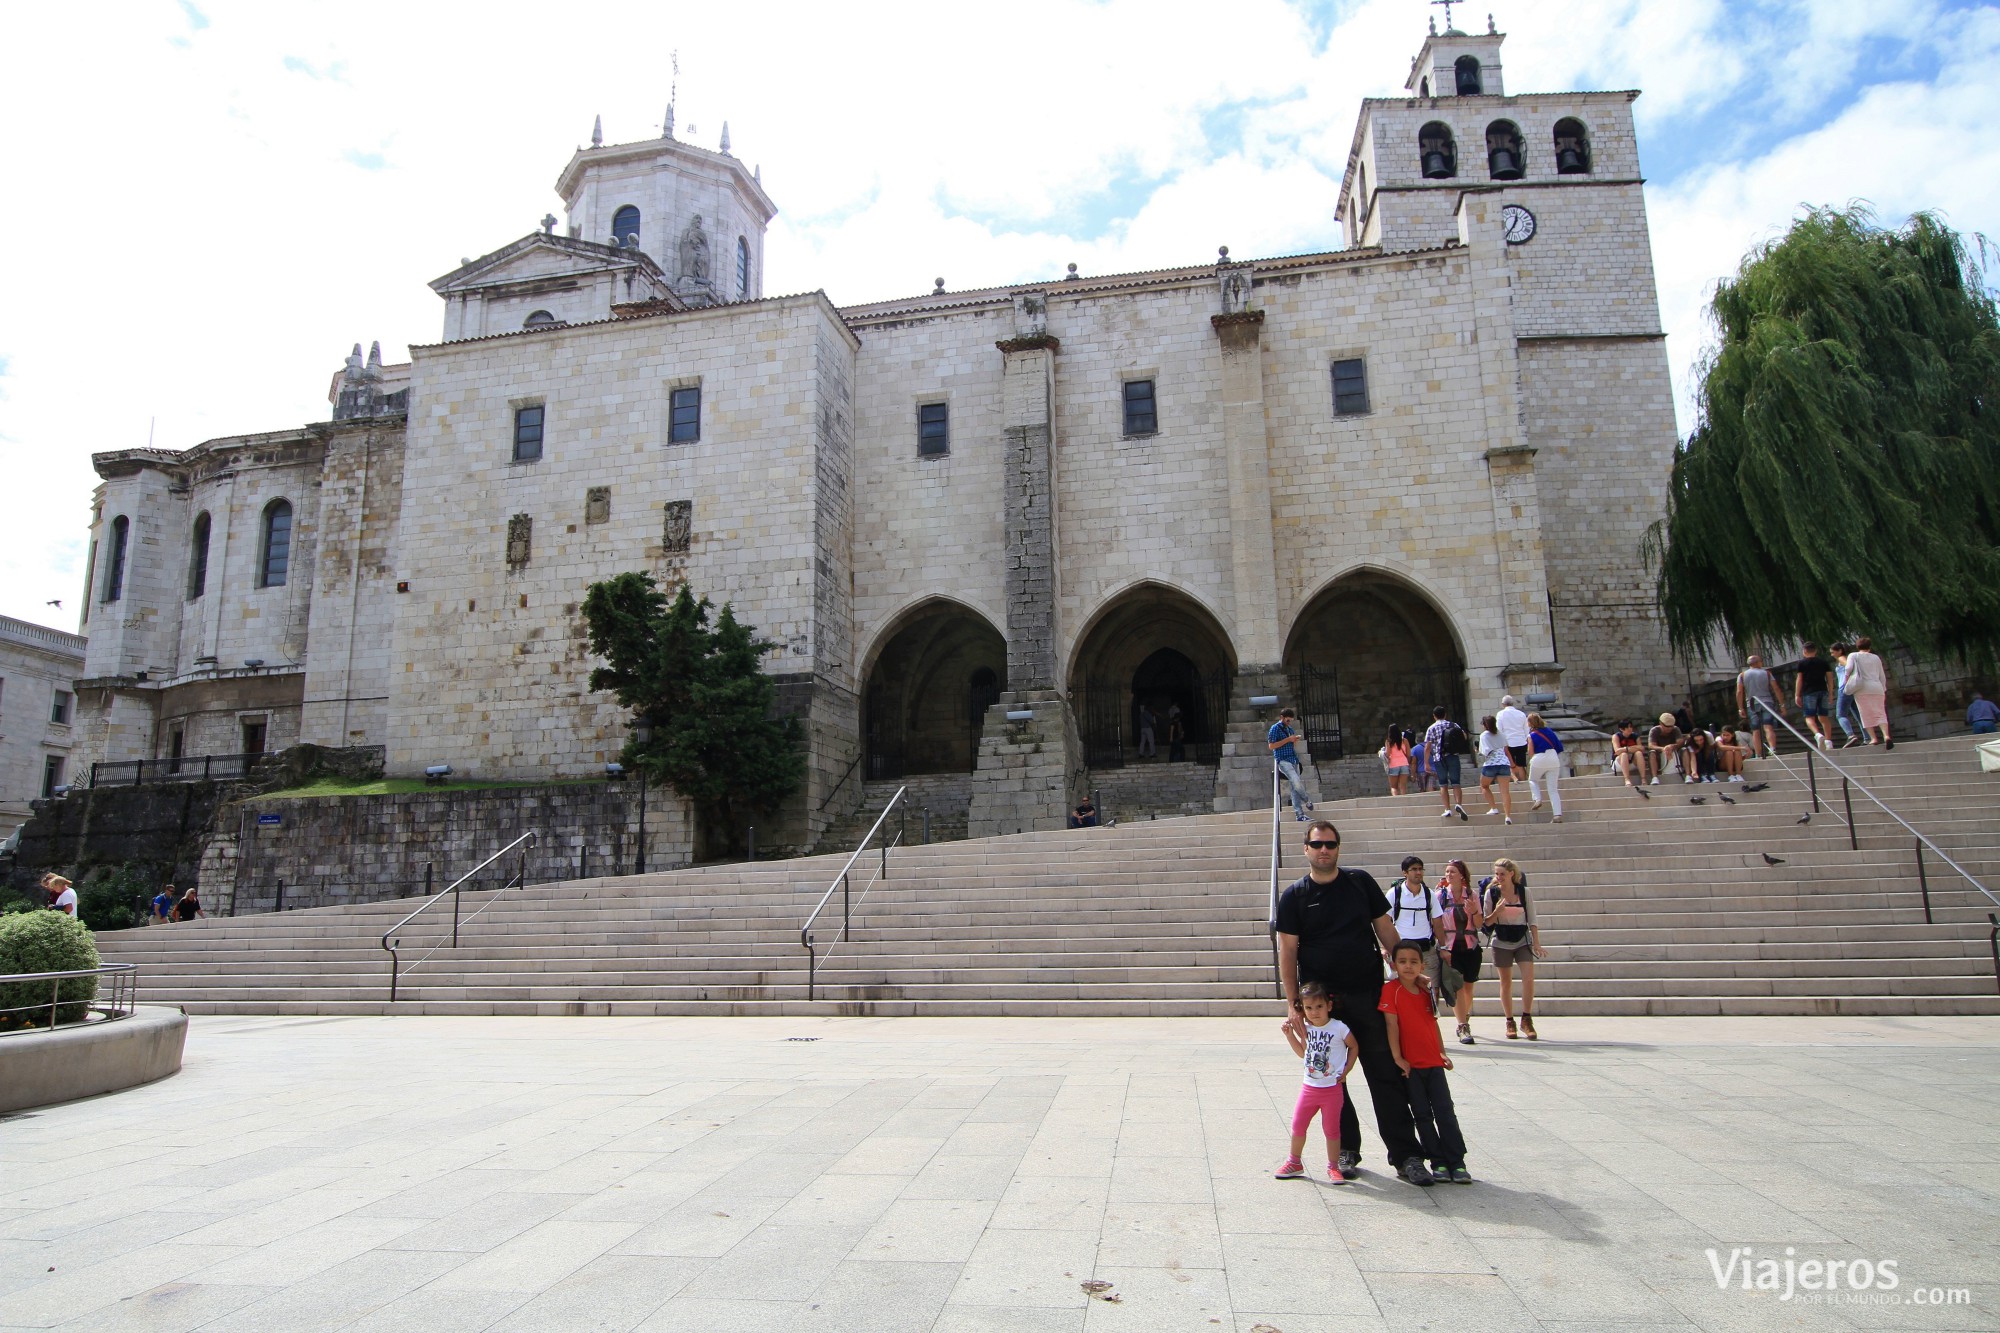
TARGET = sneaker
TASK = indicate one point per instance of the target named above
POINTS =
(1492, 809)
(1687, 777)
(1536, 806)
(1850, 741)
(1510, 819)
(1349, 1164)
(1736, 777)
(1459, 810)
(1334, 1175)
(1655, 782)
(1290, 1169)
(1889, 744)
(1465, 1033)
(1414, 1171)
(1458, 1175)
(1446, 814)
(1557, 820)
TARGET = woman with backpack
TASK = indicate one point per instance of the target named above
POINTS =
(1496, 769)
(1462, 919)
(1517, 941)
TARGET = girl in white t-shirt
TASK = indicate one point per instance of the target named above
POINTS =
(1329, 1051)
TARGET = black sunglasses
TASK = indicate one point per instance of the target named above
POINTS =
(1321, 843)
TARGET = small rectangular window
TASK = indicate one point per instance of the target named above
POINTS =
(1350, 388)
(253, 737)
(686, 425)
(59, 710)
(933, 430)
(1141, 417)
(52, 775)
(528, 433)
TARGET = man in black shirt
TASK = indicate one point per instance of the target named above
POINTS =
(1333, 927)
(1810, 692)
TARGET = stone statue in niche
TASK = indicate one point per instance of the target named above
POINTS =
(1031, 314)
(677, 535)
(694, 253)
(520, 539)
(1236, 282)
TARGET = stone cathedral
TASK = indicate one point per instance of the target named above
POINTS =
(987, 530)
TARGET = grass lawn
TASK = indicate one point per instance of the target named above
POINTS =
(390, 786)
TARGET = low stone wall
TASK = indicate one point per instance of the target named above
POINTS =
(84, 1060)
(321, 851)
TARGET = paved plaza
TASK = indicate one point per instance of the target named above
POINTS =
(972, 1175)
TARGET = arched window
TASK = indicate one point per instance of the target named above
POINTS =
(276, 562)
(540, 319)
(1361, 182)
(625, 222)
(114, 569)
(1467, 70)
(1437, 151)
(742, 269)
(1504, 155)
(198, 558)
(1572, 148)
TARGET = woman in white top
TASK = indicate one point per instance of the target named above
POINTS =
(1495, 767)
(1868, 685)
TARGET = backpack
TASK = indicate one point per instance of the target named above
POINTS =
(1455, 741)
(1396, 908)
(1490, 895)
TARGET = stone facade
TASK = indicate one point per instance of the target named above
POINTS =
(946, 508)
(38, 671)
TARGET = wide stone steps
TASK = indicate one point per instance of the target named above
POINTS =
(1648, 906)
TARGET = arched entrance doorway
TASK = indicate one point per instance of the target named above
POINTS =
(1371, 652)
(927, 692)
(1157, 650)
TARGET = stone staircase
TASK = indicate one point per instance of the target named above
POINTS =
(1150, 790)
(1648, 906)
(948, 796)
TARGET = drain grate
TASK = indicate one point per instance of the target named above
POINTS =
(802, 1039)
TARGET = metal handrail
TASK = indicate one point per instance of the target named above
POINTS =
(835, 789)
(843, 882)
(518, 880)
(124, 992)
(1847, 778)
(1277, 865)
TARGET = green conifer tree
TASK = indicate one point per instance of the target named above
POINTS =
(702, 708)
(1844, 472)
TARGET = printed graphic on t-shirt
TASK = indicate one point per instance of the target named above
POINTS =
(1326, 1053)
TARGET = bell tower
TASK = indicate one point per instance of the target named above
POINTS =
(698, 213)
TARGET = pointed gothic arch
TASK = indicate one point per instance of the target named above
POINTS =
(929, 677)
(1154, 647)
(1372, 648)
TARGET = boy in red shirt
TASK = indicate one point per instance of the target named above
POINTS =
(1413, 1039)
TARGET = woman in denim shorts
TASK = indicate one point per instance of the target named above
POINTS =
(1517, 941)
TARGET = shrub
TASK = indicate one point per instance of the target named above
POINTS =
(45, 942)
(114, 897)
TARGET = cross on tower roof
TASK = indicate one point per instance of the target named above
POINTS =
(1447, 10)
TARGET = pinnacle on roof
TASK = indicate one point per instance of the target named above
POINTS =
(725, 136)
(597, 133)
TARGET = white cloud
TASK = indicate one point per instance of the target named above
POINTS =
(213, 200)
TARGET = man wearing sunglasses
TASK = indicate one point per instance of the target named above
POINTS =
(1333, 926)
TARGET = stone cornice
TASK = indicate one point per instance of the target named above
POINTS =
(1242, 318)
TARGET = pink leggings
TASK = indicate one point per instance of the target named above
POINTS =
(1326, 1101)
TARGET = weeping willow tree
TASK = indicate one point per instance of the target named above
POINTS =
(1844, 473)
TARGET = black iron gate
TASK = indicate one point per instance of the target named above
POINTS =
(1317, 690)
(1107, 715)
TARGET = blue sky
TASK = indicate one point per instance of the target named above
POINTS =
(215, 198)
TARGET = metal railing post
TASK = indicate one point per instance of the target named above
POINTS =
(846, 906)
(753, 842)
(456, 894)
(1924, 883)
(1847, 800)
(927, 826)
(279, 906)
(55, 994)
(812, 969)
(1812, 779)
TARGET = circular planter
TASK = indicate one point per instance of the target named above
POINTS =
(83, 1060)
